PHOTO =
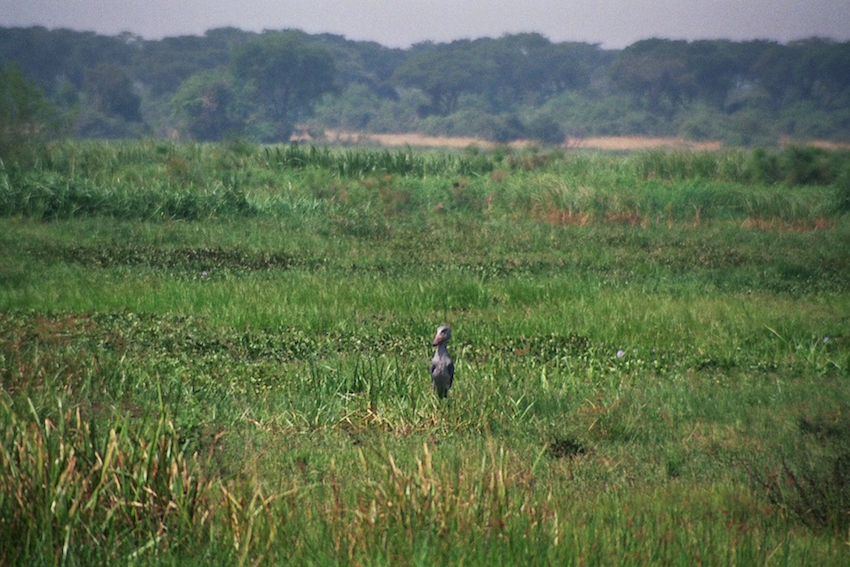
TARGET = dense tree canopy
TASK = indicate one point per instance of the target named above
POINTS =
(111, 91)
(21, 101)
(655, 72)
(528, 66)
(24, 110)
(46, 56)
(287, 73)
(518, 85)
(164, 64)
(445, 72)
(205, 106)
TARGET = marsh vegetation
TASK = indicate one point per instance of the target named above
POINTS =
(218, 354)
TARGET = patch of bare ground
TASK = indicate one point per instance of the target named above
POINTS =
(419, 140)
(641, 143)
(610, 143)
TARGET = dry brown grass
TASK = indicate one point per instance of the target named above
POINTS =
(418, 140)
(780, 225)
(641, 143)
(569, 217)
(611, 143)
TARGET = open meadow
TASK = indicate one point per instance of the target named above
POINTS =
(218, 355)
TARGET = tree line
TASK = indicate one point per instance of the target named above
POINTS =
(263, 86)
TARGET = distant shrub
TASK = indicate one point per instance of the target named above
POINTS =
(465, 122)
(508, 129)
(797, 165)
(806, 165)
(544, 129)
(809, 121)
(750, 127)
(703, 124)
(763, 166)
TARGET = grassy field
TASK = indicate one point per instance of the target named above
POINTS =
(219, 355)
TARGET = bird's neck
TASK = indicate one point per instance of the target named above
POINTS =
(441, 349)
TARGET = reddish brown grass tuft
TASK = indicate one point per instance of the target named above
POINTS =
(569, 217)
(780, 225)
(632, 218)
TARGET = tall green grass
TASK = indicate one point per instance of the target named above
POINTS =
(156, 181)
(650, 370)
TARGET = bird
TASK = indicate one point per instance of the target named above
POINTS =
(442, 367)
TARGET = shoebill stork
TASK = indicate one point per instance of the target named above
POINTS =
(442, 367)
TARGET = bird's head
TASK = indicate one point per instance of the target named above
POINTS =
(444, 333)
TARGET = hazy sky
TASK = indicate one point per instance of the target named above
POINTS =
(399, 23)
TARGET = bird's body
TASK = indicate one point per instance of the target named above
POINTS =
(442, 367)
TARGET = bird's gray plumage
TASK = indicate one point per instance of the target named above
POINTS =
(442, 367)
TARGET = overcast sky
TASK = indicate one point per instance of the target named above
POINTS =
(400, 23)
